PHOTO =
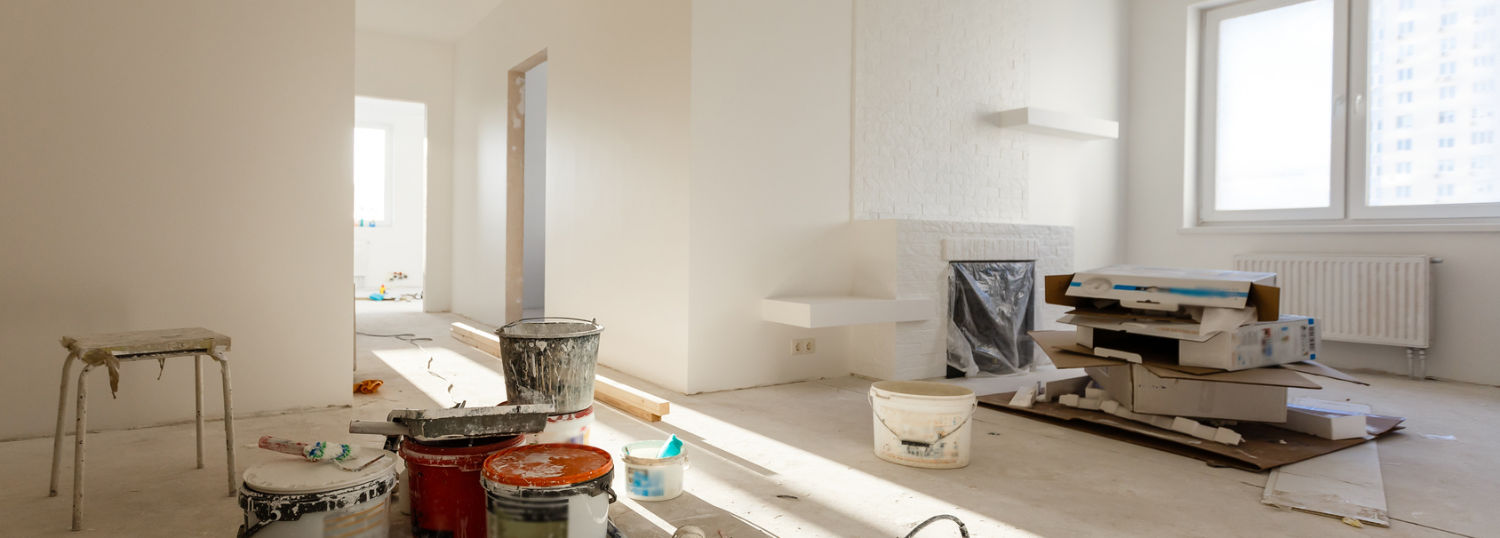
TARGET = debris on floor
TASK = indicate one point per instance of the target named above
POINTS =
(368, 386)
(1196, 362)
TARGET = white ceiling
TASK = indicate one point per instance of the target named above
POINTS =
(437, 20)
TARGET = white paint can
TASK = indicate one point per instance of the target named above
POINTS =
(565, 428)
(651, 478)
(922, 423)
(296, 498)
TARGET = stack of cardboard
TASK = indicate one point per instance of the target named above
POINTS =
(1206, 355)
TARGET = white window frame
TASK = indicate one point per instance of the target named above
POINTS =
(1208, 120)
(390, 162)
(1348, 182)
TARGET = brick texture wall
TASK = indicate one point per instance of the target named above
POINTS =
(926, 77)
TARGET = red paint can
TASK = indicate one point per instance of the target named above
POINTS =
(447, 496)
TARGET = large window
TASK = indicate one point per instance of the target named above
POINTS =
(1353, 110)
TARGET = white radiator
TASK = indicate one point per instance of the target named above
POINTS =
(1371, 299)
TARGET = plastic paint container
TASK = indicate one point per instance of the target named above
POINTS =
(550, 361)
(447, 498)
(296, 498)
(649, 478)
(922, 423)
(565, 428)
(549, 490)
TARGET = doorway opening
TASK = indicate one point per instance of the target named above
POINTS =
(390, 199)
(526, 190)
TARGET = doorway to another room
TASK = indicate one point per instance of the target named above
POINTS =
(526, 225)
(390, 200)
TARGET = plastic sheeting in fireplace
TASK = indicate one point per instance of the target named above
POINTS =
(990, 311)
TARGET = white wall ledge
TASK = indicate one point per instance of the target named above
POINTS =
(1058, 123)
(814, 312)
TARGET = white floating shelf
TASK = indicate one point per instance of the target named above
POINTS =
(1057, 123)
(836, 311)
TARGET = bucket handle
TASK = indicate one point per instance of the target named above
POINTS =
(940, 438)
(594, 321)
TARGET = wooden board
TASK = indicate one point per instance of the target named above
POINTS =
(630, 400)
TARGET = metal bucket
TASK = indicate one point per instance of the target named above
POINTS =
(550, 361)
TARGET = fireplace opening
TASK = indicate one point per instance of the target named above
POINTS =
(991, 306)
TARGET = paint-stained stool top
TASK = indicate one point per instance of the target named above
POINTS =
(143, 342)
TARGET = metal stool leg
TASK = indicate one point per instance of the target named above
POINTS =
(198, 400)
(228, 420)
(57, 436)
(78, 447)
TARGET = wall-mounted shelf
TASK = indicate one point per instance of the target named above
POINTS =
(1058, 123)
(835, 311)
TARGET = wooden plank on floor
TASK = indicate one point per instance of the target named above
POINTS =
(1342, 484)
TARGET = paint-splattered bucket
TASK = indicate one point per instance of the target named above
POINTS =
(296, 498)
(447, 498)
(565, 428)
(550, 361)
(652, 478)
(560, 490)
(922, 423)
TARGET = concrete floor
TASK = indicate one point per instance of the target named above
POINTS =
(795, 460)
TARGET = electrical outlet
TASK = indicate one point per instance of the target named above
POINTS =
(804, 346)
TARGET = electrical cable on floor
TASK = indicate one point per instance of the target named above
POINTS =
(410, 338)
(962, 530)
(413, 339)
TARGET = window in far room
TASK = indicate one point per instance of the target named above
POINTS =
(1348, 110)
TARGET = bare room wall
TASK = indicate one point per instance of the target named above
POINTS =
(617, 171)
(770, 185)
(168, 164)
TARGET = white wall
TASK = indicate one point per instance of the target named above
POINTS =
(1077, 53)
(1464, 337)
(396, 244)
(927, 76)
(410, 69)
(535, 245)
(770, 185)
(176, 163)
(617, 171)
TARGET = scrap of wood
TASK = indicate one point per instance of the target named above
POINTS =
(627, 399)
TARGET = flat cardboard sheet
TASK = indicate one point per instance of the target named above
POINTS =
(1262, 448)
(1343, 484)
(1065, 353)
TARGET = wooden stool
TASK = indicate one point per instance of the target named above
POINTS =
(110, 350)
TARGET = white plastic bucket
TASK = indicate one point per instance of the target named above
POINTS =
(295, 498)
(566, 428)
(650, 478)
(922, 423)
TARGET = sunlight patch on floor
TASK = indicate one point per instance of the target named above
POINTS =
(432, 370)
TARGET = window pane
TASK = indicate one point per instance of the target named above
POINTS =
(369, 173)
(1444, 140)
(1274, 109)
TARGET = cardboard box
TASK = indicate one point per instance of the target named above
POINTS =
(1291, 339)
(1265, 298)
(1325, 423)
(1161, 388)
(1165, 288)
(1141, 391)
(1288, 340)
